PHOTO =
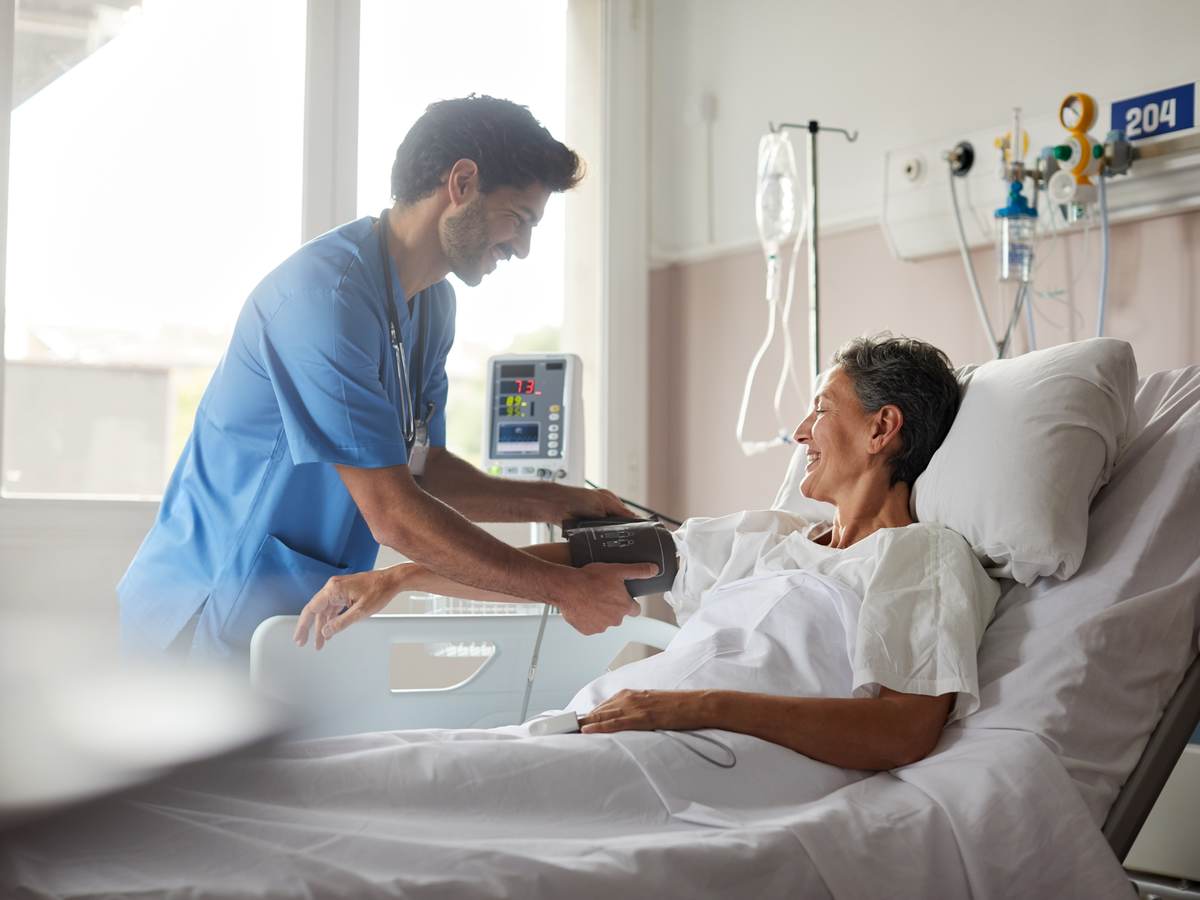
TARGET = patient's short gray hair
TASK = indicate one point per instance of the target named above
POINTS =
(912, 375)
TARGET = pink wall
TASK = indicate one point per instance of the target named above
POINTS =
(707, 318)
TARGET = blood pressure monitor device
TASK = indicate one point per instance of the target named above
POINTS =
(623, 541)
(533, 419)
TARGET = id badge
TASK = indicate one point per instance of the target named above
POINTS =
(420, 449)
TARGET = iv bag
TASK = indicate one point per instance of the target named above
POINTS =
(776, 193)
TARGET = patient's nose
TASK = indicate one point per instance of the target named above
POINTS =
(803, 431)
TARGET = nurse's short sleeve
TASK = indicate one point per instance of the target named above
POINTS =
(323, 354)
(922, 618)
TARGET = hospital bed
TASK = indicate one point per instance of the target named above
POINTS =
(1085, 706)
(1143, 561)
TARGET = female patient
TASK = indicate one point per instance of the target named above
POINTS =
(908, 600)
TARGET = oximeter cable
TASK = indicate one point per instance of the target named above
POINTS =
(677, 736)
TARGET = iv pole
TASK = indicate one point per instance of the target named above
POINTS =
(814, 296)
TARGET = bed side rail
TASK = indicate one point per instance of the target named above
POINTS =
(348, 686)
(1145, 783)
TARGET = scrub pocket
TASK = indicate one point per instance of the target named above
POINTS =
(279, 583)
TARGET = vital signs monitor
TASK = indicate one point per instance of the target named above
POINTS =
(533, 418)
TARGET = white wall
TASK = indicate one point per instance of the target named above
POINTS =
(899, 73)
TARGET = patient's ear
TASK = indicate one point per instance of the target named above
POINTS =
(885, 429)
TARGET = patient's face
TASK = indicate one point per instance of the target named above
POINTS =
(837, 432)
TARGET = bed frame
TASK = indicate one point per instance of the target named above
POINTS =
(347, 686)
(1141, 790)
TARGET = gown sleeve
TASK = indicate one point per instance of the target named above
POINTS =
(922, 618)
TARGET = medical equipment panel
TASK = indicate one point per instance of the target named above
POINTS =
(918, 219)
(533, 418)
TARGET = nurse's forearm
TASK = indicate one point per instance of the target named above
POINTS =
(484, 498)
(440, 540)
(404, 517)
(431, 534)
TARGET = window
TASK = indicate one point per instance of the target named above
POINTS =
(155, 174)
(412, 53)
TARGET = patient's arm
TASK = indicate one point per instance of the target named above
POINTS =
(346, 599)
(884, 732)
(411, 577)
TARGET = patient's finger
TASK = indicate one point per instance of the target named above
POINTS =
(605, 711)
(620, 723)
(345, 620)
(310, 615)
(300, 635)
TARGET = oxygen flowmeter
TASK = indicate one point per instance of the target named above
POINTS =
(533, 417)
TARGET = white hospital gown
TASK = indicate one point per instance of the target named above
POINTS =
(926, 599)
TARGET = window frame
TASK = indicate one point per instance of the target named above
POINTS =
(615, 317)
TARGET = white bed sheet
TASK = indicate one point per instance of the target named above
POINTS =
(493, 814)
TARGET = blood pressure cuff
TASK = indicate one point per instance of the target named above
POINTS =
(627, 542)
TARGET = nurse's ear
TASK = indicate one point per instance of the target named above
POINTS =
(462, 183)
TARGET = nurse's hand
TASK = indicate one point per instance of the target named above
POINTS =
(647, 710)
(588, 503)
(595, 597)
(344, 600)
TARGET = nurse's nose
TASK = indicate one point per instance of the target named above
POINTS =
(522, 242)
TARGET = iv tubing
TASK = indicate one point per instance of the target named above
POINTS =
(1032, 332)
(753, 448)
(756, 447)
(1022, 293)
(970, 267)
(788, 369)
(1102, 306)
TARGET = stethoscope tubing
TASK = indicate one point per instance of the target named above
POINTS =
(408, 418)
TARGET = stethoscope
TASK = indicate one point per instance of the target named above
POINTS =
(409, 422)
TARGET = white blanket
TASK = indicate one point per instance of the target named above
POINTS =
(500, 814)
(493, 814)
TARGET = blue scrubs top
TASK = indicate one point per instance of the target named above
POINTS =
(255, 517)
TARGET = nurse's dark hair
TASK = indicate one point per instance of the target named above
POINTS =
(916, 377)
(510, 146)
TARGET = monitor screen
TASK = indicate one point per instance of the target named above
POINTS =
(518, 438)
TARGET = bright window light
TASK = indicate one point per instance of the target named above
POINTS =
(412, 53)
(154, 180)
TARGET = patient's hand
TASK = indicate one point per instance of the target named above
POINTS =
(344, 600)
(646, 711)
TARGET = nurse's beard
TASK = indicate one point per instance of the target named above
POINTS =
(465, 241)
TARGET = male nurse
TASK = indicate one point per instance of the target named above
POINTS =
(322, 433)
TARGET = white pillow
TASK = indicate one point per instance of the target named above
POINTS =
(1035, 438)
